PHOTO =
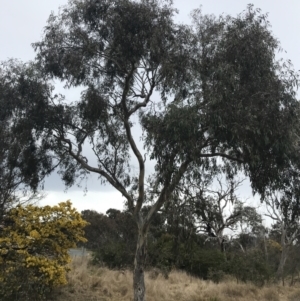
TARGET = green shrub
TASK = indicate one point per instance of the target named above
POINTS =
(114, 255)
(250, 266)
(215, 275)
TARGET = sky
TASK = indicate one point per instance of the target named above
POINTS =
(22, 22)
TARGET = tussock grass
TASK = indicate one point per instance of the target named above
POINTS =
(89, 283)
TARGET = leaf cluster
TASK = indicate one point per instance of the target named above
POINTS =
(24, 161)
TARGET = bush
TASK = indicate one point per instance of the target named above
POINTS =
(161, 254)
(199, 262)
(250, 266)
(215, 275)
(34, 246)
(114, 255)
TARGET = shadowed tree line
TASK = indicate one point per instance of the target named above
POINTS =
(213, 236)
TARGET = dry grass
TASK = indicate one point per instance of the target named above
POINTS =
(101, 284)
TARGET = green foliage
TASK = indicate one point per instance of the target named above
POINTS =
(23, 162)
(114, 255)
(161, 253)
(250, 266)
(215, 275)
(34, 246)
(190, 256)
(200, 261)
(111, 237)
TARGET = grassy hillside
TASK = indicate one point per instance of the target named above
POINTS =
(101, 284)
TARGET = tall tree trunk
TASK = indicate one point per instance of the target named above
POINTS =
(280, 270)
(222, 246)
(139, 266)
(266, 250)
(283, 257)
(221, 241)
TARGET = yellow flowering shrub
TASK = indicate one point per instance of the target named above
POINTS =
(34, 249)
(274, 245)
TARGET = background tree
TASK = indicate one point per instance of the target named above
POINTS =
(251, 229)
(286, 225)
(214, 214)
(213, 207)
(219, 92)
(23, 161)
(112, 237)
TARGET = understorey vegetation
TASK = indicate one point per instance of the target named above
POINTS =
(224, 237)
(88, 282)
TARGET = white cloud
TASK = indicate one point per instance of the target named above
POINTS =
(93, 200)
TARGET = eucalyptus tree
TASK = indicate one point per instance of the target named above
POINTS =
(218, 210)
(202, 92)
(286, 222)
(23, 162)
(215, 208)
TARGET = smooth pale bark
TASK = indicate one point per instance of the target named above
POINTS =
(284, 255)
(283, 258)
(139, 267)
(280, 270)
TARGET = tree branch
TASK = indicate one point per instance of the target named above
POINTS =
(222, 155)
(132, 143)
(86, 166)
(166, 192)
